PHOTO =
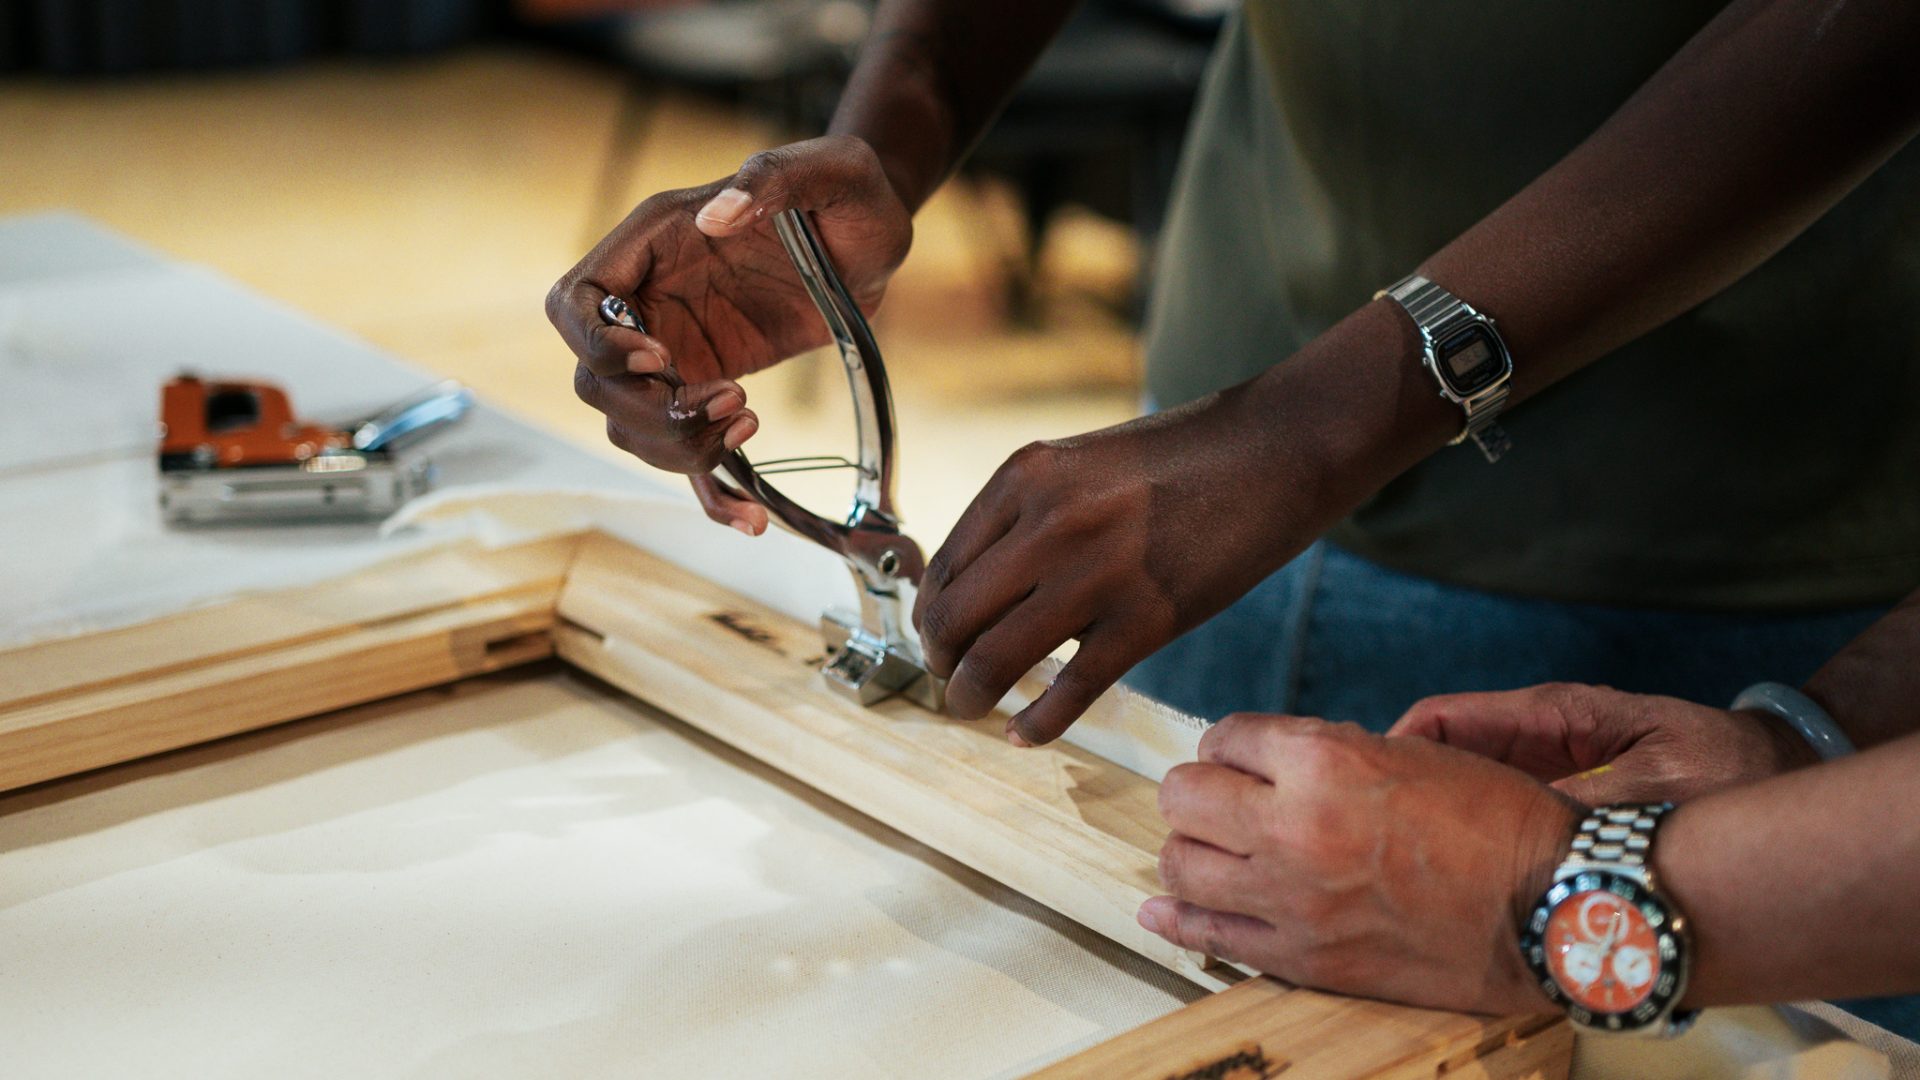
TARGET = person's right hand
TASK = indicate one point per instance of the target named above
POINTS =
(715, 289)
(1604, 746)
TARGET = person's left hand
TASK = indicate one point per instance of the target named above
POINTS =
(1328, 857)
(1600, 745)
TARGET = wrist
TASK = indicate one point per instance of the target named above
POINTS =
(895, 104)
(1785, 748)
(1356, 405)
(1542, 844)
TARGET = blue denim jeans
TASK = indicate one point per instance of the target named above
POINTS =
(1333, 635)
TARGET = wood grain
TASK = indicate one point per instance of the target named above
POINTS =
(83, 703)
(1066, 828)
(1262, 1028)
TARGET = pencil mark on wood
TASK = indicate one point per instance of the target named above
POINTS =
(1248, 1062)
(745, 627)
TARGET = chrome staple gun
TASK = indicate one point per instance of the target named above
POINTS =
(870, 656)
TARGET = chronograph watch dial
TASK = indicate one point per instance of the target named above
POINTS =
(1605, 945)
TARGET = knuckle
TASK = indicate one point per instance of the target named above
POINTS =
(1173, 788)
(763, 166)
(1316, 758)
(617, 435)
(987, 668)
(1078, 683)
(586, 385)
(556, 302)
(1173, 864)
(937, 620)
(1571, 702)
(1028, 463)
(939, 572)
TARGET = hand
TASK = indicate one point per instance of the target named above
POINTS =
(1389, 868)
(721, 300)
(1123, 539)
(1604, 746)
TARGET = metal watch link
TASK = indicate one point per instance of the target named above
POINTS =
(1464, 352)
(1603, 941)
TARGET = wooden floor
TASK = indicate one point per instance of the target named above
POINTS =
(426, 205)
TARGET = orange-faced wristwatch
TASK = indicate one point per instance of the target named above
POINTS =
(1605, 944)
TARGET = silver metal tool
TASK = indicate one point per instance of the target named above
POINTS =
(870, 655)
(232, 451)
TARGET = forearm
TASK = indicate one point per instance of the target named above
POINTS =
(933, 74)
(1753, 130)
(1872, 687)
(1803, 886)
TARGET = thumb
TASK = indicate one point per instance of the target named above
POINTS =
(811, 175)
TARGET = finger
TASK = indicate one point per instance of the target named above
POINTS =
(684, 430)
(1103, 657)
(1219, 934)
(607, 349)
(953, 620)
(1008, 650)
(991, 515)
(743, 514)
(813, 175)
(1488, 724)
(1213, 804)
(1548, 731)
(1202, 874)
(1255, 743)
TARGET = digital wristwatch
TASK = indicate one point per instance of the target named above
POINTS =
(1463, 351)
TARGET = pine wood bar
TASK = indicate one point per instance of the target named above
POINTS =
(1067, 828)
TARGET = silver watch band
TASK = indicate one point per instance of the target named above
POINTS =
(1615, 836)
(1438, 313)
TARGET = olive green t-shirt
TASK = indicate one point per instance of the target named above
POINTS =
(1761, 451)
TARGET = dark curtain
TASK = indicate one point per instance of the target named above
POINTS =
(86, 37)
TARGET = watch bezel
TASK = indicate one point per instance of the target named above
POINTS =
(1669, 929)
(1436, 363)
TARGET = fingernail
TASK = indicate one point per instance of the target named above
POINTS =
(740, 432)
(744, 527)
(726, 208)
(646, 362)
(723, 405)
(1013, 736)
(1149, 915)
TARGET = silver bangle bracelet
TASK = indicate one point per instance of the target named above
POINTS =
(1801, 712)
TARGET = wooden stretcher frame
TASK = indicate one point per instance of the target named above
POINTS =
(1067, 828)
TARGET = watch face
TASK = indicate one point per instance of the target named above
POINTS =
(1470, 360)
(1606, 948)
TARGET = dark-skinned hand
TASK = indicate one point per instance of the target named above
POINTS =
(720, 300)
(1604, 746)
(1122, 539)
(1390, 868)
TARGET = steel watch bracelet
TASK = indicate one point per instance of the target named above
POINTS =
(1620, 835)
(1438, 313)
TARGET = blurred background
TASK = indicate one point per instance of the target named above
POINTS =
(418, 172)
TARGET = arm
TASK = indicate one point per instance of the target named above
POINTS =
(1753, 130)
(1805, 885)
(1871, 688)
(932, 76)
(711, 282)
